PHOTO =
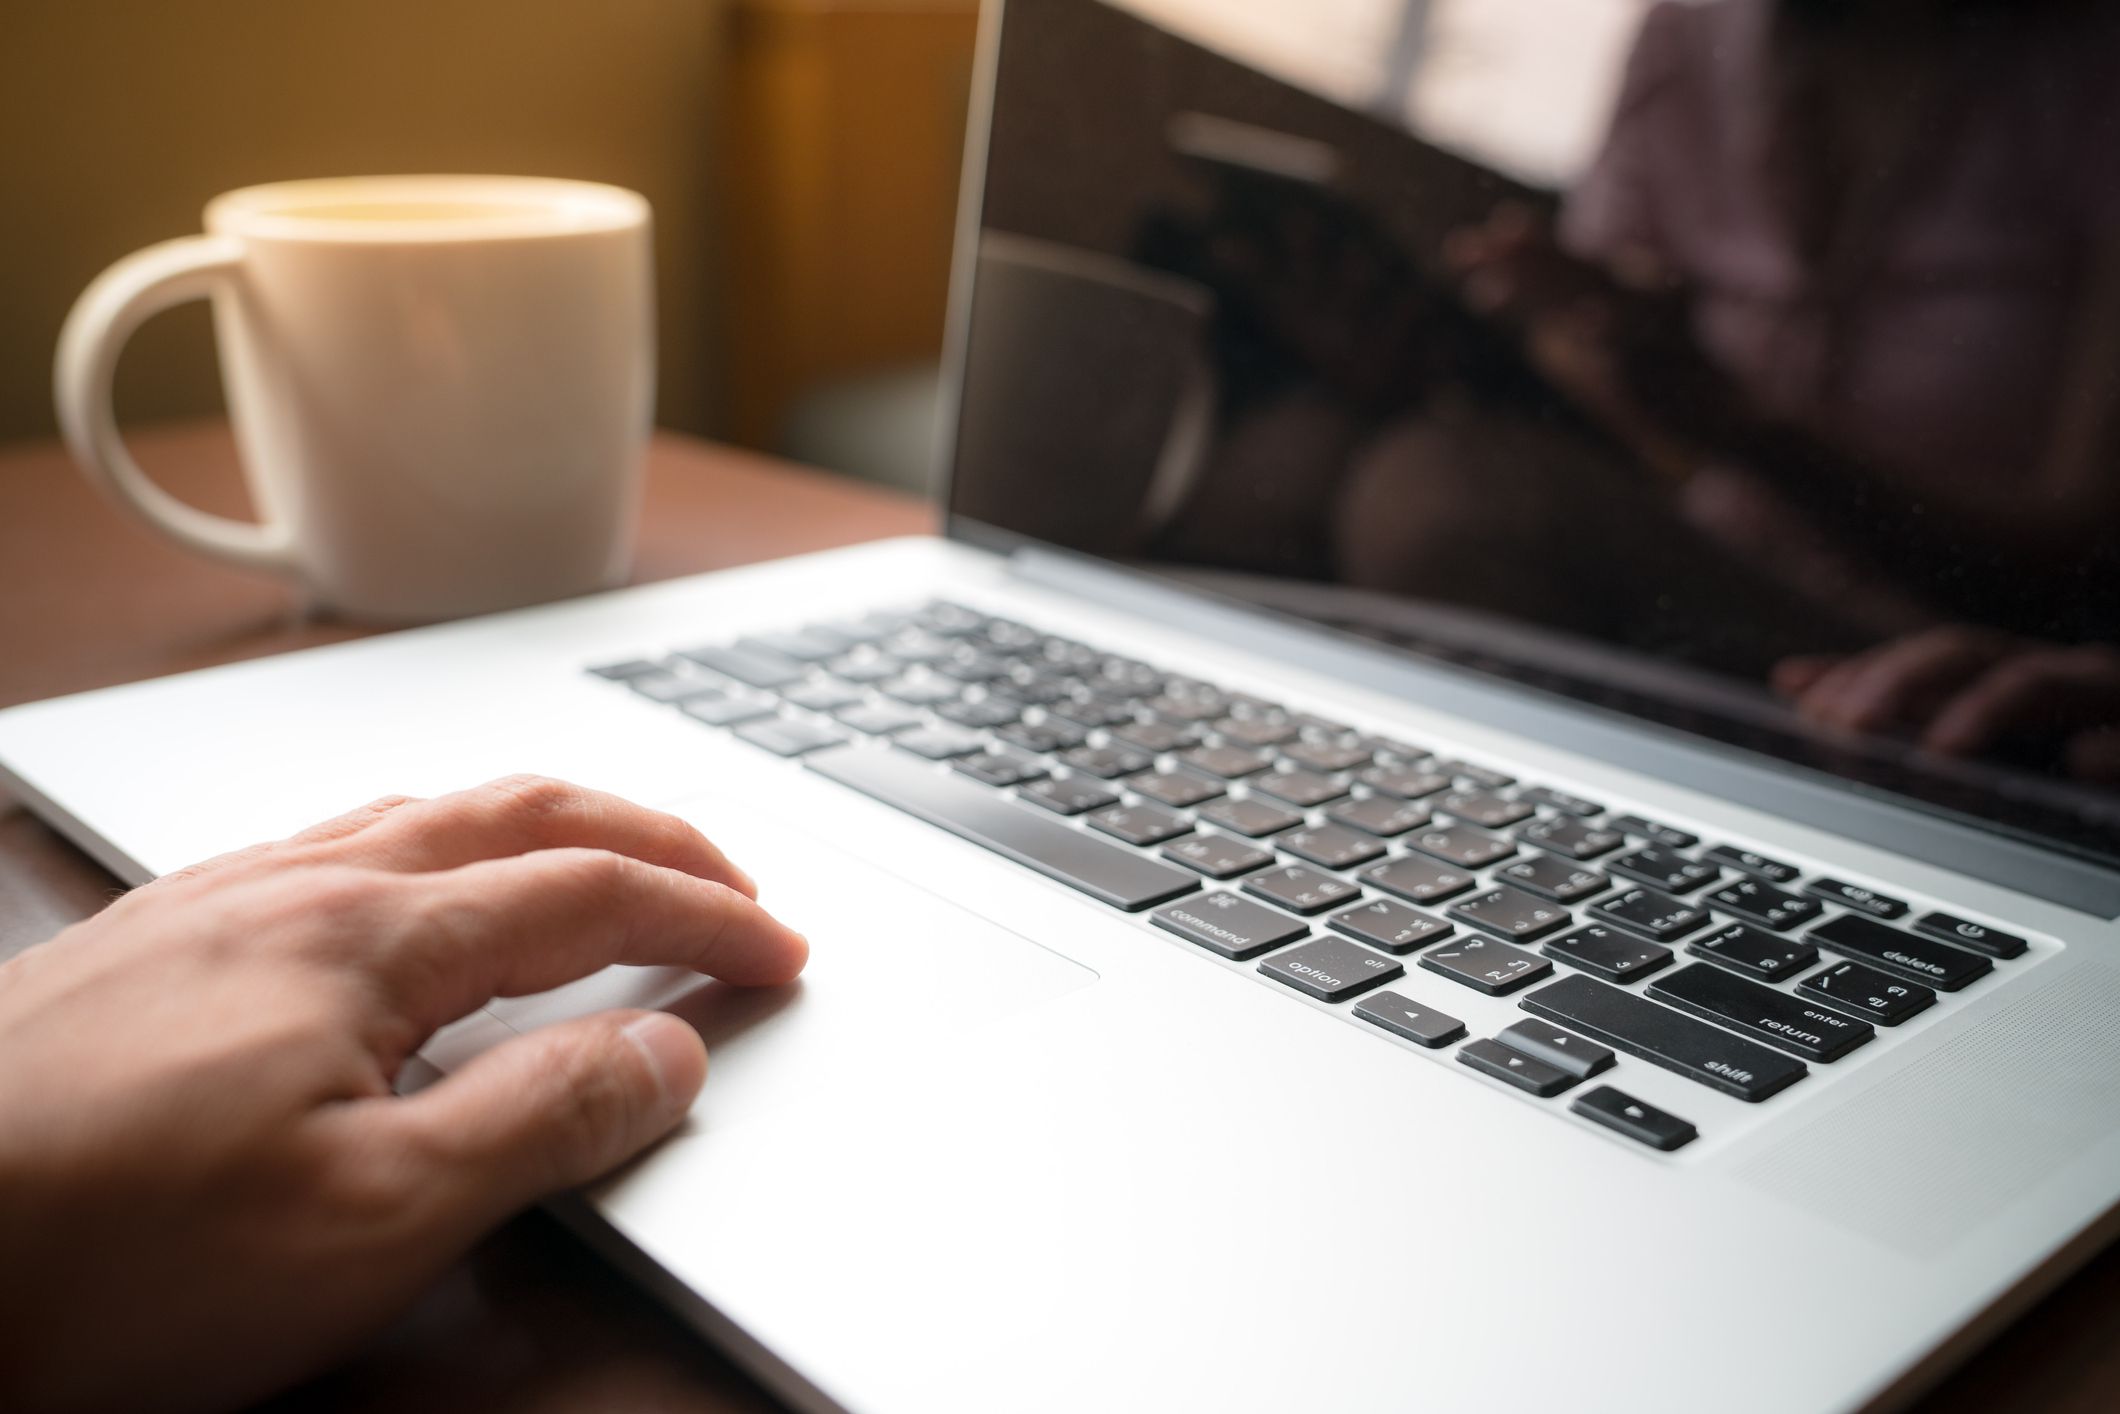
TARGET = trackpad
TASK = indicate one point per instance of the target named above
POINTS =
(893, 969)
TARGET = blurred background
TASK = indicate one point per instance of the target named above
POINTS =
(802, 157)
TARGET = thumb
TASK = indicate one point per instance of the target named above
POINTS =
(555, 1108)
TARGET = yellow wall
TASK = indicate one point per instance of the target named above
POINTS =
(118, 118)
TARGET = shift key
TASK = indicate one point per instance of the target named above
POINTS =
(1661, 1036)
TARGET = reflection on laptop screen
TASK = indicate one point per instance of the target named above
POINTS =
(1749, 366)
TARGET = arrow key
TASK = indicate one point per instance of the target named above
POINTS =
(1495, 1059)
(1621, 1112)
(1564, 1050)
(1402, 1016)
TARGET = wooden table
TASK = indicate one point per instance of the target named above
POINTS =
(529, 1321)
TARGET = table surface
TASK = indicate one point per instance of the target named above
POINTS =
(529, 1320)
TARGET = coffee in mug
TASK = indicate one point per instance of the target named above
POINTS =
(441, 386)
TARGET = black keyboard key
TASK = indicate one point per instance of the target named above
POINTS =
(1623, 1114)
(1181, 707)
(1328, 755)
(1800, 1027)
(1069, 795)
(1106, 762)
(1378, 815)
(1559, 800)
(1977, 936)
(1495, 1059)
(1550, 876)
(1609, 953)
(1109, 872)
(1039, 738)
(1664, 869)
(968, 665)
(804, 645)
(920, 690)
(1473, 775)
(1653, 915)
(1935, 964)
(1654, 833)
(876, 718)
(865, 668)
(822, 695)
(1090, 713)
(1254, 731)
(1563, 1050)
(755, 666)
(980, 713)
(1855, 896)
(1392, 749)
(1462, 845)
(953, 620)
(1422, 880)
(1229, 926)
(726, 711)
(629, 668)
(1227, 762)
(1748, 950)
(999, 768)
(1406, 782)
(1250, 817)
(1762, 903)
(1156, 736)
(1301, 889)
(1218, 856)
(1302, 789)
(1511, 913)
(1405, 1017)
(938, 743)
(1661, 1036)
(1332, 970)
(1175, 788)
(1867, 993)
(663, 685)
(1140, 824)
(1566, 835)
(1486, 965)
(784, 736)
(1316, 728)
(917, 645)
(1744, 861)
(1483, 807)
(1332, 846)
(1391, 926)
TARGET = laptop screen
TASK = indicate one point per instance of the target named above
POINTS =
(1751, 367)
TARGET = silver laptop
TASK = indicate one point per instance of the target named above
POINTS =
(1322, 894)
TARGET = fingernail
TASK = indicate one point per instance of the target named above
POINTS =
(673, 1053)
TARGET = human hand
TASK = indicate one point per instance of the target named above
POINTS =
(1961, 691)
(1511, 266)
(207, 1187)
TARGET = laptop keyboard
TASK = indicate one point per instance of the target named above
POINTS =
(1350, 867)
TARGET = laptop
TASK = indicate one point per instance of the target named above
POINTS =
(1329, 885)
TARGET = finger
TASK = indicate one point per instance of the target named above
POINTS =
(519, 814)
(527, 923)
(547, 1111)
(339, 827)
(2062, 690)
(1792, 676)
(1907, 681)
(2095, 756)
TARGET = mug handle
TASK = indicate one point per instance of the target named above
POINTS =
(116, 303)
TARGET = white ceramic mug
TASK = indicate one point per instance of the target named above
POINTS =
(441, 386)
